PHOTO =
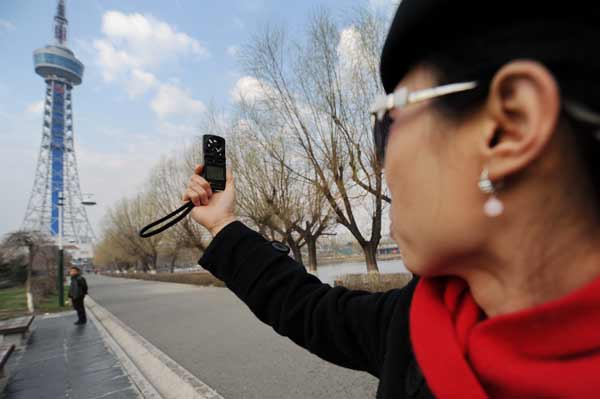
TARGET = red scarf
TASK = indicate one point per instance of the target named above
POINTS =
(551, 350)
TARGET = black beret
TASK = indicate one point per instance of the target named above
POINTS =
(421, 25)
(398, 52)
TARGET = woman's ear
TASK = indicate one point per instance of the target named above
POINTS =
(524, 104)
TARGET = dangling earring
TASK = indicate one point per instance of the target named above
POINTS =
(493, 206)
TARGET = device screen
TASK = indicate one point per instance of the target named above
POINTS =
(215, 172)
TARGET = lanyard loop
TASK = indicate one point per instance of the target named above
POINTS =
(183, 210)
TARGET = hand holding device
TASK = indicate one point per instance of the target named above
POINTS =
(210, 193)
(213, 210)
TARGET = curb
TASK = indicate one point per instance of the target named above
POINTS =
(143, 386)
(144, 362)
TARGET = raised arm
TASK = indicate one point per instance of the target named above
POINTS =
(348, 328)
(345, 327)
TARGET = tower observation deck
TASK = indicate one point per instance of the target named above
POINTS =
(56, 181)
(57, 61)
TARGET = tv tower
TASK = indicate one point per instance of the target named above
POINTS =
(56, 181)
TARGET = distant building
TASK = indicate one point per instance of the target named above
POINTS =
(388, 249)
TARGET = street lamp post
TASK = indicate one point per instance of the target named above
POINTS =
(61, 266)
(88, 200)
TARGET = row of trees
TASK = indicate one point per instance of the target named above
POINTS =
(121, 247)
(299, 144)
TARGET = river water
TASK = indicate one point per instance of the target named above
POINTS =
(328, 273)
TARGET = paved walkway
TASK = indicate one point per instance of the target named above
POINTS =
(214, 335)
(66, 361)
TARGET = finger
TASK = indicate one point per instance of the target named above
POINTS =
(187, 194)
(202, 194)
(203, 183)
(198, 169)
(199, 189)
(203, 197)
(194, 197)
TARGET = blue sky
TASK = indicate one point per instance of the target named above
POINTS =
(152, 68)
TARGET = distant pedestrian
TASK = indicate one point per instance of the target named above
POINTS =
(77, 292)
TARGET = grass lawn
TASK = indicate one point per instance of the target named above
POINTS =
(14, 304)
(50, 304)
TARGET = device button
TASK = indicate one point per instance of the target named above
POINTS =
(280, 247)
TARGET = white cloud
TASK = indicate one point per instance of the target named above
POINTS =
(248, 89)
(349, 50)
(353, 58)
(113, 62)
(386, 6)
(152, 39)
(140, 82)
(132, 49)
(35, 108)
(6, 26)
(141, 41)
(233, 50)
(148, 34)
(173, 100)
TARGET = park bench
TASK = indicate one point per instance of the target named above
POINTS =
(14, 331)
(5, 352)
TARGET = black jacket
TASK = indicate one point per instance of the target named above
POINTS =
(354, 329)
(78, 288)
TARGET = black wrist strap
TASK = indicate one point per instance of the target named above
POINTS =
(177, 214)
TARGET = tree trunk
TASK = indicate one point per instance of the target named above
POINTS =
(370, 252)
(295, 250)
(311, 243)
(173, 260)
(28, 291)
(143, 265)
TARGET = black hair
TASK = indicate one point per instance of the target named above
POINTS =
(568, 47)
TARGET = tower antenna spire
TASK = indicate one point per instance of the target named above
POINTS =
(60, 24)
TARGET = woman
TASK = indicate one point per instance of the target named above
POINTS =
(495, 183)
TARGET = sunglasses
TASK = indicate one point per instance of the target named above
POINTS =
(400, 98)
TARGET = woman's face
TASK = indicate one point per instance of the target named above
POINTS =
(432, 167)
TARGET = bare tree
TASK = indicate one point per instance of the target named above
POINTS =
(171, 248)
(110, 254)
(273, 197)
(322, 101)
(299, 204)
(124, 222)
(167, 182)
